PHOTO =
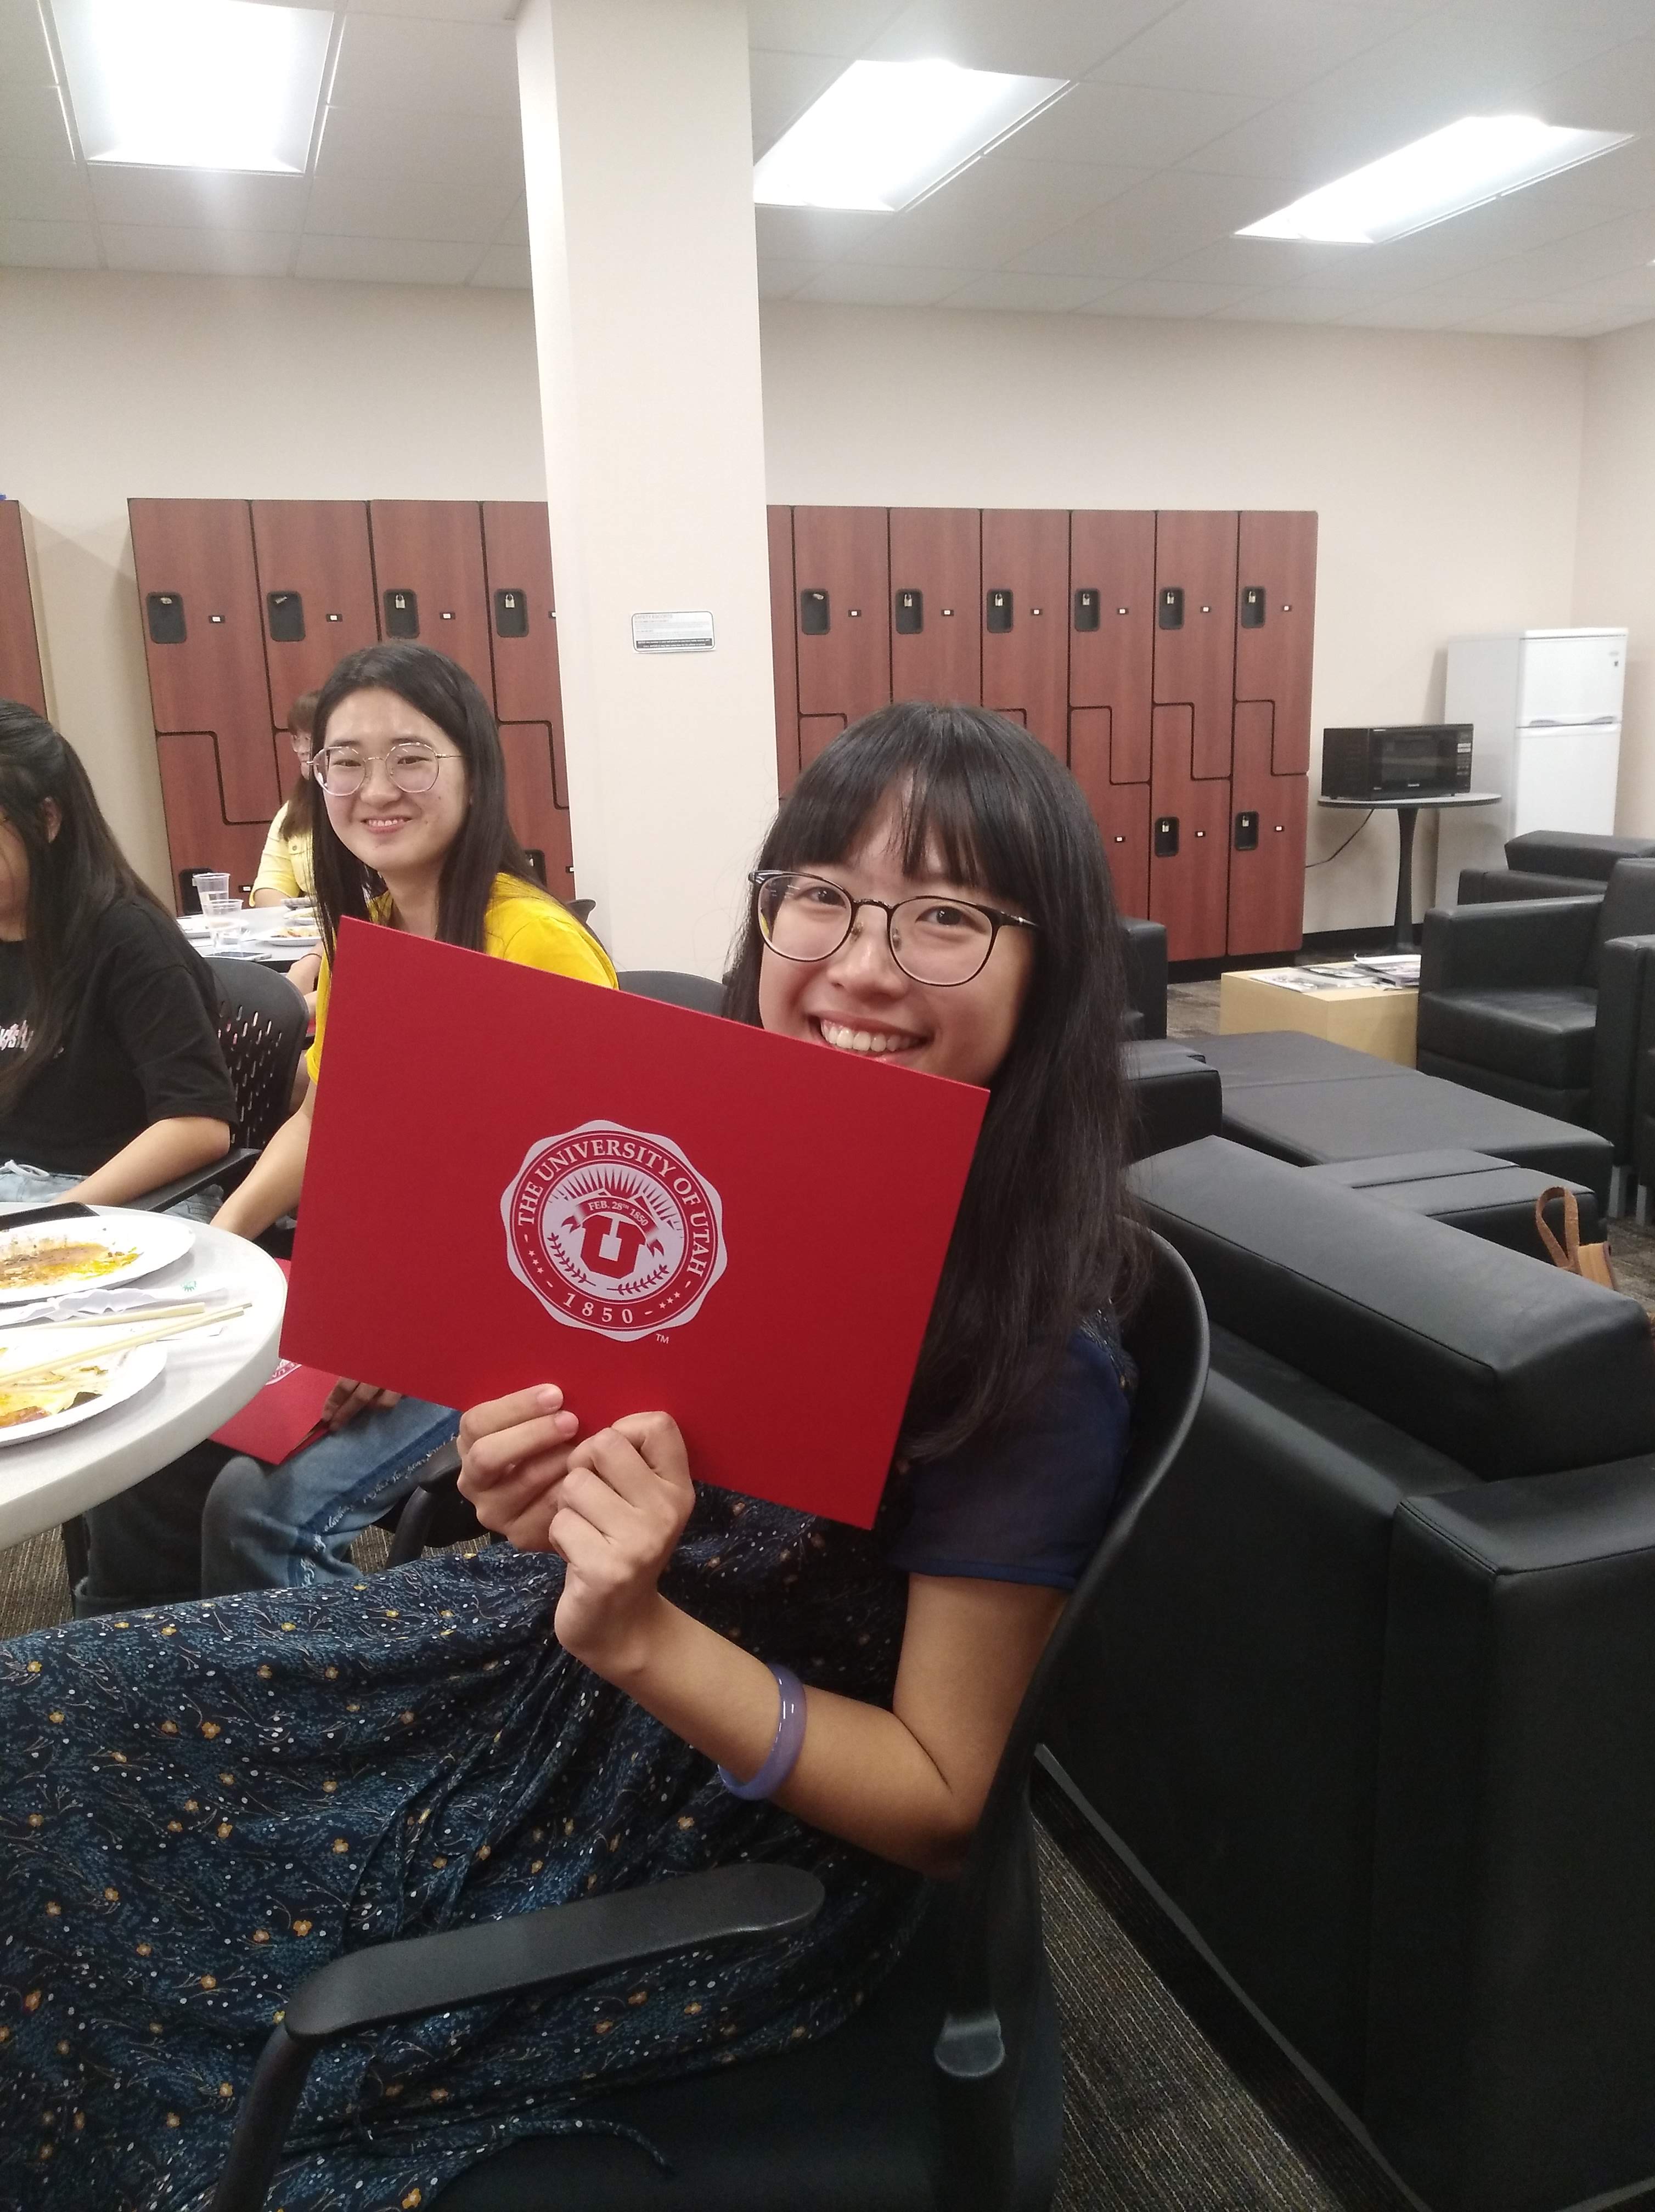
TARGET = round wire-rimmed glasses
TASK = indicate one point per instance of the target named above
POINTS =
(339, 771)
(933, 939)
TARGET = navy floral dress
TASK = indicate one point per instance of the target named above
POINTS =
(200, 1804)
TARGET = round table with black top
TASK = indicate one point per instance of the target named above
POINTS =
(1406, 811)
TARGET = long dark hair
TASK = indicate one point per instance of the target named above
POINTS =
(1044, 1237)
(485, 847)
(75, 876)
(303, 801)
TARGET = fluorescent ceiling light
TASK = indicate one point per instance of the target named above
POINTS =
(886, 133)
(1478, 159)
(194, 84)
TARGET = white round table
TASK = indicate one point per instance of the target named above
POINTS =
(207, 1377)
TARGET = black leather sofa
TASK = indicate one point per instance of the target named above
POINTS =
(1371, 1704)
(1539, 1000)
(1553, 863)
(1145, 947)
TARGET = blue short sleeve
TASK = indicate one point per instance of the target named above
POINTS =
(1030, 1503)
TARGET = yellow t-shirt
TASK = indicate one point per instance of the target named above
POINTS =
(521, 924)
(284, 864)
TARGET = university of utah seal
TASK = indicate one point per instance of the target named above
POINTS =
(614, 1231)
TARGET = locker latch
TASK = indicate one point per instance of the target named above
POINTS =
(1167, 836)
(1252, 606)
(1169, 611)
(814, 613)
(286, 611)
(910, 616)
(1247, 833)
(402, 614)
(1085, 610)
(511, 614)
(165, 612)
(999, 614)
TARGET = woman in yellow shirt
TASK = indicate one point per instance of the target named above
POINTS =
(411, 834)
(284, 864)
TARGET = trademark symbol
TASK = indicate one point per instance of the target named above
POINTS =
(660, 1337)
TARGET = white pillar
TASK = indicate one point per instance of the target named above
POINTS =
(637, 147)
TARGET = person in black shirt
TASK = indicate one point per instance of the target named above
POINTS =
(111, 1081)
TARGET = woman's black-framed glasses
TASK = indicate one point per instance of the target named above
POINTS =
(933, 939)
(413, 768)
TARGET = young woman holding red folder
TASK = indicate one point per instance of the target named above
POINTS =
(647, 1678)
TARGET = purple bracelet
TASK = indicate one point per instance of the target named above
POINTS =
(783, 1754)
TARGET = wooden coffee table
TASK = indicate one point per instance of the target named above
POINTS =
(1380, 1021)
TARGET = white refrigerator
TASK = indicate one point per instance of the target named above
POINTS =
(1544, 707)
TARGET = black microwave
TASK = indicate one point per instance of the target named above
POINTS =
(1398, 760)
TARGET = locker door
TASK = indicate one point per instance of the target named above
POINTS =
(20, 653)
(1266, 841)
(784, 649)
(1188, 855)
(1275, 623)
(1111, 657)
(428, 576)
(1025, 588)
(1194, 629)
(315, 591)
(1121, 813)
(842, 617)
(198, 836)
(204, 640)
(936, 582)
(527, 693)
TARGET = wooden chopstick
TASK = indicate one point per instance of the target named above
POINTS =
(107, 1321)
(42, 1370)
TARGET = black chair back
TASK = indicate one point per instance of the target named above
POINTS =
(699, 993)
(1629, 907)
(261, 1031)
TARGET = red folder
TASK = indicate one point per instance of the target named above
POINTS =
(282, 1416)
(514, 1178)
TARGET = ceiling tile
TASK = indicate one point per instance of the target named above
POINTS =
(25, 56)
(1018, 290)
(1057, 38)
(428, 205)
(31, 126)
(1296, 303)
(808, 26)
(45, 192)
(780, 280)
(1133, 126)
(1154, 222)
(1152, 297)
(992, 211)
(1307, 143)
(159, 248)
(369, 141)
(514, 230)
(1615, 91)
(1443, 66)
(1622, 179)
(49, 246)
(814, 233)
(387, 260)
(504, 268)
(443, 11)
(1411, 311)
(1264, 51)
(783, 86)
(1627, 18)
(857, 285)
(191, 197)
(1258, 261)
(466, 68)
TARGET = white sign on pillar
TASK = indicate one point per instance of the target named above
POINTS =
(638, 156)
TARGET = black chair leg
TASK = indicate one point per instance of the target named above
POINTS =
(76, 1554)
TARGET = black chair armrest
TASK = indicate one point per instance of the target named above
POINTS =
(1625, 974)
(1144, 945)
(1507, 944)
(233, 1169)
(526, 1952)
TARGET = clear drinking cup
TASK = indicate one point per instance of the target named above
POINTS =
(205, 882)
(223, 915)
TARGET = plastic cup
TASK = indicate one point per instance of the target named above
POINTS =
(206, 882)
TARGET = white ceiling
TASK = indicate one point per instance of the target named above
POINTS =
(1188, 118)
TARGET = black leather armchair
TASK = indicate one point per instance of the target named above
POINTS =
(1144, 946)
(1553, 863)
(1538, 1001)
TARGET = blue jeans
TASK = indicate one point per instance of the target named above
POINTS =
(290, 1526)
(19, 1183)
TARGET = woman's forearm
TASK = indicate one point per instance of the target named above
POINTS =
(157, 1155)
(272, 1188)
(861, 1775)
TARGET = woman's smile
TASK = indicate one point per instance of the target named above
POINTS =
(873, 1039)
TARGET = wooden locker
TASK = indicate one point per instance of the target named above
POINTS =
(429, 579)
(842, 615)
(936, 582)
(1121, 813)
(198, 836)
(1194, 629)
(1113, 635)
(204, 643)
(527, 690)
(1266, 841)
(1275, 623)
(1189, 862)
(21, 676)
(531, 803)
(815, 734)
(1026, 586)
(315, 591)
(784, 649)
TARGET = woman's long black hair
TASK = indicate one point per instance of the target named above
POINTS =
(1044, 1236)
(485, 847)
(75, 876)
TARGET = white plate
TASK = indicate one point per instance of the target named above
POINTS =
(129, 1372)
(159, 1239)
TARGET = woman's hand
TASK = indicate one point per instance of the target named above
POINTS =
(513, 1453)
(347, 1399)
(621, 1509)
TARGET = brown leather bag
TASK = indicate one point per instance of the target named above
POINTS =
(1591, 1261)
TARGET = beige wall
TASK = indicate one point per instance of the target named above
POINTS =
(1615, 576)
(1444, 469)
(114, 387)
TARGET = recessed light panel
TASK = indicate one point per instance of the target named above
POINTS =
(194, 84)
(886, 133)
(1478, 159)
